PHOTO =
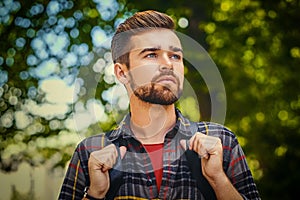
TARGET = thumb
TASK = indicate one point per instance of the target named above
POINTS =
(123, 150)
(184, 144)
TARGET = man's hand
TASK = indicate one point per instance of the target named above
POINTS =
(210, 149)
(99, 163)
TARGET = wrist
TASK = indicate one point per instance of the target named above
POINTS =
(91, 195)
(218, 181)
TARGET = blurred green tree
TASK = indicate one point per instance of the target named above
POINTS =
(53, 73)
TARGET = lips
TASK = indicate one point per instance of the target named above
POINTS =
(166, 79)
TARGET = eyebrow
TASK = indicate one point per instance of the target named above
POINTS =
(151, 49)
(175, 49)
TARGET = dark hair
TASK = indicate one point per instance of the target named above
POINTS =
(139, 22)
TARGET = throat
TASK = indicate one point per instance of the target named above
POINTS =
(151, 135)
(150, 126)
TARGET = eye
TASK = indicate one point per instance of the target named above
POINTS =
(151, 55)
(175, 57)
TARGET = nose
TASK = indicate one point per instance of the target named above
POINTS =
(166, 63)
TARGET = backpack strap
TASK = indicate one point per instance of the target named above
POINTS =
(115, 174)
(116, 180)
(194, 163)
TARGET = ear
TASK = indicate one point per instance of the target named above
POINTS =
(120, 71)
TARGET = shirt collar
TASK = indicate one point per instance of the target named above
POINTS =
(183, 126)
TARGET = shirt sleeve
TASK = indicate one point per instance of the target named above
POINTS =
(74, 181)
(234, 160)
(236, 167)
(77, 177)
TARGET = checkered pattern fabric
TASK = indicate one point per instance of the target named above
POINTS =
(138, 173)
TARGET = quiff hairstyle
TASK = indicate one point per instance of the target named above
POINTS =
(139, 22)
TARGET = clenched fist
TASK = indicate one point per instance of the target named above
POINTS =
(210, 149)
(99, 163)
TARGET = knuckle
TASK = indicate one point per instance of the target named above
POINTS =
(219, 141)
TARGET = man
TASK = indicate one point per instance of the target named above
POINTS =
(144, 158)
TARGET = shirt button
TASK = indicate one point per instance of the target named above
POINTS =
(149, 182)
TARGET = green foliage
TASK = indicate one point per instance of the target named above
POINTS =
(49, 82)
(257, 52)
(255, 44)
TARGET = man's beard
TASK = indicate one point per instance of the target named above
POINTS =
(156, 93)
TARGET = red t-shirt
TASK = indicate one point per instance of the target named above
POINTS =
(155, 152)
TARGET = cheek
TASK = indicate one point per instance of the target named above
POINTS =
(179, 71)
(143, 75)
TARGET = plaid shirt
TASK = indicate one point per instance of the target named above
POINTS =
(138, 174)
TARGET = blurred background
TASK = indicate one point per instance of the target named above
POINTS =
(57, 85)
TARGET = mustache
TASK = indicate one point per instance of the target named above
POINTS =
(166, 73)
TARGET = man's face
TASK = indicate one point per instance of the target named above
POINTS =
(156, 66)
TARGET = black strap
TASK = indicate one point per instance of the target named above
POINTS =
(116, 180)
(115, 174)
(194, 163)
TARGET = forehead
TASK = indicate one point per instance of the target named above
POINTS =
(164, 38)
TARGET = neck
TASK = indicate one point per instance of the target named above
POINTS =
(151, 122)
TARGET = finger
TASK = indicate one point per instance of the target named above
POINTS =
(198, 144)
(211, 144)
(95, 162)
(105, 168)
(191, 142)
(205, 156)
(123, 150)
(184, 144)
(106, 157)
(98, 165)
(108, 164)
